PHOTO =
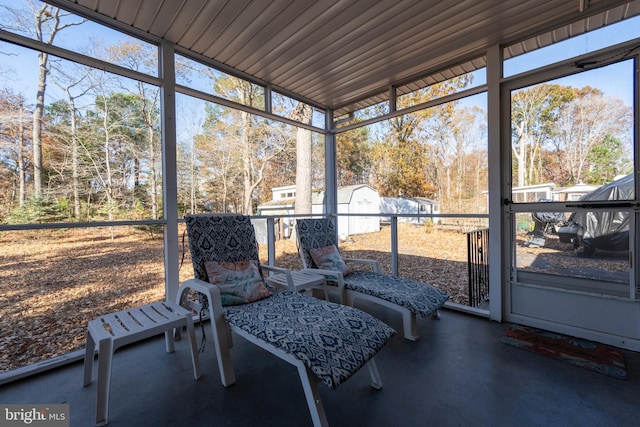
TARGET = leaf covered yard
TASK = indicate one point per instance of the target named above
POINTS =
(52, 282)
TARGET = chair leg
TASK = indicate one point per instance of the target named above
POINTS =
(221, 342)
(191, 331)
(169, 341)
(376, 379)
(223, 353)
(105, 358)
(89, 355)
(410, 326)
(349, 299)
(310, 387)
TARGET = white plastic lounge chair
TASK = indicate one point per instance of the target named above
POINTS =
(325, 341)
(318, 248)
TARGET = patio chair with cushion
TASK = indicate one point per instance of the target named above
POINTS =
(325, 341)
(318, 248)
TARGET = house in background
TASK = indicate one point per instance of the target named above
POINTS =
(353, 199)
(533, 193)
(283, 201)
(569, 194)
(549, 191)
(410, 205)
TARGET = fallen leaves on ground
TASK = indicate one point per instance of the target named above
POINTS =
(52, 282)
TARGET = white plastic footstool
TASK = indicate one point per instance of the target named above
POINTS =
(115, 330)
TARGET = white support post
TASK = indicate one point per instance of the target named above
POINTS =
(497, 214)
(169, 167)
(330, 161)
(271, 242)
(394, 245)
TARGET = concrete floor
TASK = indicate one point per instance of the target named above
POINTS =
(458, 374)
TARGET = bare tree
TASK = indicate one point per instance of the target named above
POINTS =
(189, 166)
(13, 134)
(43, 23)
(534, 112)
(256, 141)
(583, 124)
(139, 57)
(72, 87)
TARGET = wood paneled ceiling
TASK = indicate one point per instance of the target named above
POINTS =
(345, 54)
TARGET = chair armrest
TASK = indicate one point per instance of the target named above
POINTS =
(211, 291)
(373, 263)
(280, 270)
(219, 326)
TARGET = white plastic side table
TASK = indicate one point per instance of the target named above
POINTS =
(302, 281)
(128, 326)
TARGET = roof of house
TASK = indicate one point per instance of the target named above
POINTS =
(345, 194)
(413, 199)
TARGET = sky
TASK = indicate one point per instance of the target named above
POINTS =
(576, 46)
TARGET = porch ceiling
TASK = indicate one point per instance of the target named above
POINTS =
(345, 54)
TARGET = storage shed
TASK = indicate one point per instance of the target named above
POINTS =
(353, 199)
(409, 205)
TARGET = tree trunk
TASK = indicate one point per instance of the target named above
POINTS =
(520, 153)
(246, 163)
(38, 113)
(75, 161)
(152, 171)
(46, 13)
(303, 164)
(21, 166)
(107, 162)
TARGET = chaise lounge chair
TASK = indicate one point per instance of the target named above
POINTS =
(318, 248)
(325, 341)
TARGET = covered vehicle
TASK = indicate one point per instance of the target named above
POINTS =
(605, 230)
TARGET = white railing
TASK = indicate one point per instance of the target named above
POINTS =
(393, 219)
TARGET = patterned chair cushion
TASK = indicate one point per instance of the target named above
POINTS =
(224, 238)
(420, 298)
(239, 282)
(314, 233)
(328, 258)
(332, 340)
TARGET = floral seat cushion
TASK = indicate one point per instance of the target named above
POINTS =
(332, 340)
